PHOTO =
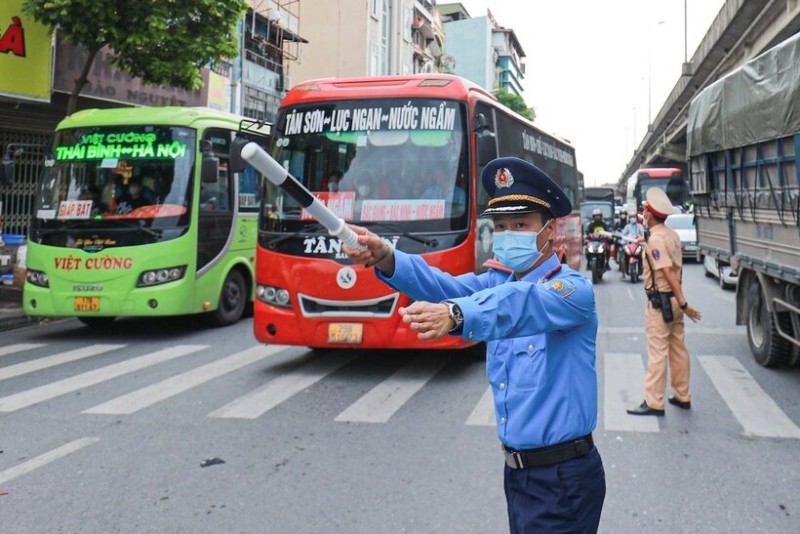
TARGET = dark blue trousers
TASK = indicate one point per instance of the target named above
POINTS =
(558, 498)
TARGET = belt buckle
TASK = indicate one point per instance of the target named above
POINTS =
(517, 456)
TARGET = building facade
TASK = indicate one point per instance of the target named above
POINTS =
(352, 38)
(482, 50)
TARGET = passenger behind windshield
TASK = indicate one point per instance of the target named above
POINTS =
(136, 196)
(91, 192)
(443, 187)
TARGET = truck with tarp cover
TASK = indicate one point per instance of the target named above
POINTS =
(743, 136)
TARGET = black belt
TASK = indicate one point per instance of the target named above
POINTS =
(670, 294)
(552, 454)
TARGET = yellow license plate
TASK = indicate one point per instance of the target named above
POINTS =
(345, 332)
(86, 304)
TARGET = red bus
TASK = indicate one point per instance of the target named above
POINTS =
(402, 156)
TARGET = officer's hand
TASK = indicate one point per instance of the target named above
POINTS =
(432, 321)
(375, 251)
(692, 313)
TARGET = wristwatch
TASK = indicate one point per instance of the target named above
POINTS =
(684, 305)
(455, 314)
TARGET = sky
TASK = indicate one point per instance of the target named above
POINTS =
(597, 72)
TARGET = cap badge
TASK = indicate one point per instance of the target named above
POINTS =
(503, 178)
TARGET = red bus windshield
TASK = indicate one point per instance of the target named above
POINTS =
(391, 162)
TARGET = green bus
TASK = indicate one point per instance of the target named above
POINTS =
(137, 215)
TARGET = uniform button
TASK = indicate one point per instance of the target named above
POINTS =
(502, 385)
(531, 348)
(502, 420)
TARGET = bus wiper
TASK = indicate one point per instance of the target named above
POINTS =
(433, 243)
(312, 229)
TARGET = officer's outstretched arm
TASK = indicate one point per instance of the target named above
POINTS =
(377, 252)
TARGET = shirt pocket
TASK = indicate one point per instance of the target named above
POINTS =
(527, 363)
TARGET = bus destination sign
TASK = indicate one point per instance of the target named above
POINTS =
(115, 145)
(409, 116)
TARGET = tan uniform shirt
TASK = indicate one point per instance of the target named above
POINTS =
(664, 251)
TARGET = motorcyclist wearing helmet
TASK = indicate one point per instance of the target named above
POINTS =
(594, 227)
(623, 220)
(633, 229)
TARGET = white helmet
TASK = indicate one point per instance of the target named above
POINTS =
(596, 212)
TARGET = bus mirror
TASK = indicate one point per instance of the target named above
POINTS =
(479, 122)
(209, 172)
(486, 147)
(236, 163)
(6, 170)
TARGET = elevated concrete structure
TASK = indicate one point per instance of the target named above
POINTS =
(742, 30)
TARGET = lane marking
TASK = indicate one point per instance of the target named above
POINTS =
(44, 459)
(147, 396)
(624, 388)
(19, 347)
(261, 400)
(91, 378)
(758, 414)
(483, 414)
(56, 359)
(378, 405)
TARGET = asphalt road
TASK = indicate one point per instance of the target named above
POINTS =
(167, 426)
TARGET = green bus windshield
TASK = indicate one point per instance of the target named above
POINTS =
(124, 185)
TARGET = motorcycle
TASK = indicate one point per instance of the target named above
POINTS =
(595, 251)
(633, 252)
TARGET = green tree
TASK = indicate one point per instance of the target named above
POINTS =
(162, 41)
(515, 103)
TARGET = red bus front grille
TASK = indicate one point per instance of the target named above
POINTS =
(380, 307)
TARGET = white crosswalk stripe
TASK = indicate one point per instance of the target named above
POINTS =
(386, 398)
(623, 386)
(147, 396)
(44, 459)
(483, 414)
(265, 398)
(74, 383)
(19, 347)
(57, 359)
(754, 409)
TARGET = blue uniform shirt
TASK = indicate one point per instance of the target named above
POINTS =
(540, 334)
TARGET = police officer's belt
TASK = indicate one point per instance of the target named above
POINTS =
(552, 454)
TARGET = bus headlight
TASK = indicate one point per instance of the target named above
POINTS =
(160, 276)
(37, 278)
(275, 296)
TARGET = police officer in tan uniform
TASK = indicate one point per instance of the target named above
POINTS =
(665, 311)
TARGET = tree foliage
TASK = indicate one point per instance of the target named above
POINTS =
(515, 103)
(162, 41)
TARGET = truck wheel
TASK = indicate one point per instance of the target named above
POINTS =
(232, 300)
(768, 347)
(96, 322)
(794, 357)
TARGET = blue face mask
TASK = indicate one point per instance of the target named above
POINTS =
(517, 250)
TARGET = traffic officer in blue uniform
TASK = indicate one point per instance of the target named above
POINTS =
(539, 320)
